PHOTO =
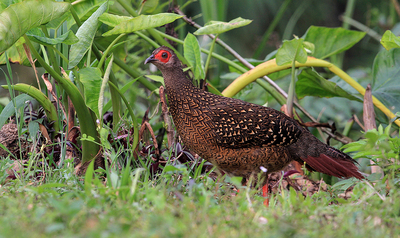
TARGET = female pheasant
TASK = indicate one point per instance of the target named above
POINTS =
(242, 138)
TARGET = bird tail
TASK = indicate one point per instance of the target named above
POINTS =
(324, 158)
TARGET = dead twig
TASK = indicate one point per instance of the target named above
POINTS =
(146, 125)
(355, 117)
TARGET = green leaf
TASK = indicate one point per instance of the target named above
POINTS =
(122, 90)
(9, 110)
(171, 168)
(113, 20)
(330, 41)
(193, 55)
(104, 133)
(19, 18)
(310, 83)
(386, 77)
(91, 80)
(142, 22)
(390, 40)
(89, 177)
(156, 78)
(38, 36)
(218, 27)
(33, 127)
(291, 50)
(85, 35)
(344, 184)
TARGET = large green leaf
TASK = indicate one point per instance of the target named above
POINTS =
(330, 41)
(142, 22)
(386, 78)
(193, 55)
(290, 51)
(91, 80)
(218, 27)
(19, 18)
(85, 35)
(310, 83)
(390, 40)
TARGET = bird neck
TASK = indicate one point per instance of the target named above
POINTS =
(176, 83)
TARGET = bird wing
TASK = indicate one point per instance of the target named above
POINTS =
(238, 124)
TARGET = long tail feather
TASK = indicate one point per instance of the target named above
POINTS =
(324, 158)
(335, 167)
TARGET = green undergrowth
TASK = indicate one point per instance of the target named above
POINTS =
(182, 203)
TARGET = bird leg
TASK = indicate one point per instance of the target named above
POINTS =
(264, 188)
(265, 191)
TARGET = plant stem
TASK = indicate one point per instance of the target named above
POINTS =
(146, 38)
(107, 51)
(87, 124)
(347, 14)
(288, 32)
(290, 98)
(209, 54)
(50, 51)
(271, 27)
(59, 53)
(362, 27)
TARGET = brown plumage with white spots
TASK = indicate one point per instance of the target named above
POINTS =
(241, 137)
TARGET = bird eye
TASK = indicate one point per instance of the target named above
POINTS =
(164, 55)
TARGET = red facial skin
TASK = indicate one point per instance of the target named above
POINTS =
(163, 56)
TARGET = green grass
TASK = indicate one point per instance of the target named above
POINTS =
(130, 204)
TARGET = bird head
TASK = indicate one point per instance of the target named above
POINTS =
(163, 57)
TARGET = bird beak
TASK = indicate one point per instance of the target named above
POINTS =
(150, 59)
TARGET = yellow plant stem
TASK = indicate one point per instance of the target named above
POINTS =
(271, 67)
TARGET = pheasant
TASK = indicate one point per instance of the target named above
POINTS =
(241, 138)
